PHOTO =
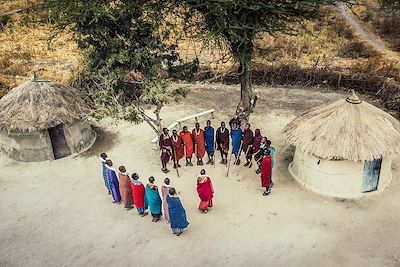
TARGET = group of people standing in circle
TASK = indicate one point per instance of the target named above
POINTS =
(131, 191)
(199, 141)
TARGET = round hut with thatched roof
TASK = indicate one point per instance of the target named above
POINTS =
(344, 149)
(42, 120)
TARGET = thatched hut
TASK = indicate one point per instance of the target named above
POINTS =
(42, 120)
(344, 149)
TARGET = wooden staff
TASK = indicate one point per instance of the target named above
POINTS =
(176, 165)
(215, 148)
(229, 164)
(184, 151)
(240, 150)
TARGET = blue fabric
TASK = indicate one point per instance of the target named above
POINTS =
(114, 185)
(141, 210)
(272, 153)
(236, 136)
(177, 214)
(153, 199)
(209, 136)
(105, 177)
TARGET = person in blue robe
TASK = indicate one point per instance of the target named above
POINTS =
(177, 214)
(236, 136)
(103, 158)
(209, 136)
(153, 199)
(114, 184)
(271, 150)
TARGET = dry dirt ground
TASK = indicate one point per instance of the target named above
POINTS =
(58, 214)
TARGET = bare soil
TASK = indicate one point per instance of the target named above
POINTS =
(57, 213)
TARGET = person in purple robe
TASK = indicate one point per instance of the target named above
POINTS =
(114, 184)
(165, 146)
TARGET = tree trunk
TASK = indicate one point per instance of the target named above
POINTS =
(244, 52)
(245, 106)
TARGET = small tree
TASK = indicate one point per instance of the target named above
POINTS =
(239, 23)
(125, 59)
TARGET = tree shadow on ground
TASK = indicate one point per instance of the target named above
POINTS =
(104, 142)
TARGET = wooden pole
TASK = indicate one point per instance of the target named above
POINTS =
(184, 151)
(240, 151)
(176, 165)
(229, 164)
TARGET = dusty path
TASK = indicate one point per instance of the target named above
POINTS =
(370, 38)
(57, 213)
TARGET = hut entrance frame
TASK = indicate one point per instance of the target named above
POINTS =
(58, 141)
(372, 171)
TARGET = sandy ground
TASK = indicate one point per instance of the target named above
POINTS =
(58, 213)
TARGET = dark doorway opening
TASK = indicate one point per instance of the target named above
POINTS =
(372, 171)
(58, 141)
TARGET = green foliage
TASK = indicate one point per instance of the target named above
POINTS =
(239, 23)
(126, 59)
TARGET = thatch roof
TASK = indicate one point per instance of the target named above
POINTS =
(348, 129)
(40, 104)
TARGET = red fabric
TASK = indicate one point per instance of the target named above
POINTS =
(204, 205)
(177, 147)
(206, 193)
(138, 195)
(198, 138)
(205, 190)
(266, 171)
(125, 189)
(187, 139)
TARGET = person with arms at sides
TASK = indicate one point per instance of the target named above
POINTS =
(222, 139)
(114, 184)
(209, 136)
(188, 145)
(256, 145)
(153, 199)
(177, 214)
(165, 146)
(199, 143)
(165, 191)
(177, 148)
(236, 136)
(247, 145)
(125, 188)
(205, 190)
(103, 158)
(260, 153)
(271, 150)
(266, 170)
(138, 193)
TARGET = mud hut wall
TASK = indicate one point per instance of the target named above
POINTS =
(337, 178)
(79, 135)
(34, 146)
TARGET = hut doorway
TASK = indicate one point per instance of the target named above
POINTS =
(372, 171)
(58, 142)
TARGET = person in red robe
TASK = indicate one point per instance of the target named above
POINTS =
(199, 143)
(266, 170)
(125, 188)
(188, 145)
(205, 190)
(138, 192)
(177, 148)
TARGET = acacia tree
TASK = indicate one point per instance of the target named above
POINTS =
(238, 24)
(125, 59)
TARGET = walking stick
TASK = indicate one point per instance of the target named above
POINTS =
(215, 149)
(240, 151)
(176, 165)
(184, 150)
(195, 152)
(229, 164)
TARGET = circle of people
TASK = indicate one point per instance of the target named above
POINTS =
(133, 193)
